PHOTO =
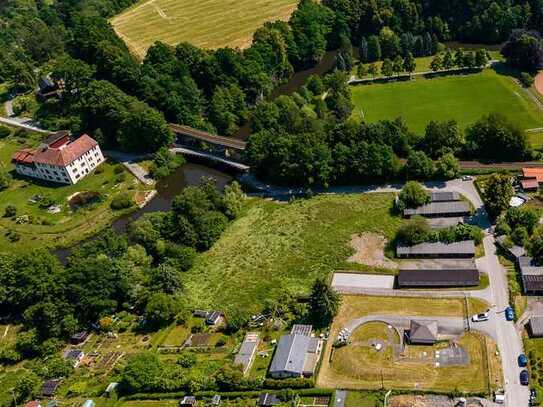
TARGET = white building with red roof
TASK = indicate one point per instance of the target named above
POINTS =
(60, 159)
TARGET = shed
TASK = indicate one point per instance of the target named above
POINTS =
(267, 400)
(33, 403)
(463, 249)
(216, 400)
(88, 403)
(79, 338)
(188, 401)
(213, 318)
(438, 278)
(440, 210)
(247, 351)
(535, 326)
(49, 387)
(529, 184)
(75, 356)
(423, 332)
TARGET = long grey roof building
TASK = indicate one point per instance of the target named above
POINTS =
(536, 326)
(462, 249)
(440, 209)
(444, 196)
(438, 278)
(247, 351)
(295, 356)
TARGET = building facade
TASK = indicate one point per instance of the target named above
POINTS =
(60, 159)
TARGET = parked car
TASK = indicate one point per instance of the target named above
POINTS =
(481, 317)
(467, 178)
(499, 398)
(524, 377)
(533, 394)
(509, 314)
(522, 360)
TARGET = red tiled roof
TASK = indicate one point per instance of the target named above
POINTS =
(33, 403)
(24, 156)
(536, 173)
(67, 154)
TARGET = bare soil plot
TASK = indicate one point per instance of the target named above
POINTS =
(206, 23)
(370, 250)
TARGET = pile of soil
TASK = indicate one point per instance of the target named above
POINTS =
(370, 251)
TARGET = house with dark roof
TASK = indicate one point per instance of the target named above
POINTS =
(47, 88)
(214, 318)
(444, 196)
(295, 356)
(59, 159)
(74, 356)
(463, 249)
(268, 400)
(535, 326)
(422, 332)
(79, 337)
(247, 351)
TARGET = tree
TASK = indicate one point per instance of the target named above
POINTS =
(497, 193)
(363, 50)
(10, 211)
(373, 70)
(166, 278)
(413, 194)
(26, 387)
(161, 309)
(141, 373)
(494, 137)
(409, 63)
(459, 58)
(324, 303)
(469, 60)
(415, 231)
(447, 166)
(419, 166)
(5, 180)
(228, 109)
(387, 69)
(442, 137)
(361, 71)
(374, 49)
(525, 217)
(481, 58)
(519, 236)
(524, 50)
(397, 65)
(448, 60)
(436, 63)
(389, 42)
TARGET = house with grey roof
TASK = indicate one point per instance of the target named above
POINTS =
(422, 332)
(535, 326)
(531, 275)
(462, 249)
(295, 356)
(440, 210)
(246, 353)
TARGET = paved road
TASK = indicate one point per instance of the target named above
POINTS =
(130, 162)
(339, 398)
(509, 340)
(22, 123)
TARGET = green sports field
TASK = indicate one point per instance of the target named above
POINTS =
(464, 98)
(204, 23)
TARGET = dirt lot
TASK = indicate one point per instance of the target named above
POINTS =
(370, 250)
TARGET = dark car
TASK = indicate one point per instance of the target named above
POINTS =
(524, 377)
(509, 314)
(522, 360)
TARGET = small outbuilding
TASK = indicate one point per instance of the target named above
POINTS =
(215, 400)
(33, 403)
(268, 400)
(74, 356)
(88, 403)
(50, 387)
(188, 401)
(444, 196)
(535, 326)
(246, 353)
(79, 337)
(422, 332)
(463, 249)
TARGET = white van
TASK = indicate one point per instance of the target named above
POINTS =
(499, 398)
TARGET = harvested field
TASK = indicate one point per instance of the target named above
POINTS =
(207, 23)
(370, 250)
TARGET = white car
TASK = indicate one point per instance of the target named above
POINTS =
(480, 317)
(467, 178)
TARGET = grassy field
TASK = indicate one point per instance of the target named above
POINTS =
(207, 23)
(464, 98)
(46, 229)
(277, 248)
(363, 368)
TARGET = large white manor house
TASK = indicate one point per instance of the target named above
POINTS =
(60, 159)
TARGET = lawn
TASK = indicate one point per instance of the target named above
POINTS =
(362, 399)
(464, 98)
(44, 229)
(360, 367)
(207, 23)
(277, 248)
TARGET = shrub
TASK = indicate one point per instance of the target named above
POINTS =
(118, 169)
(415, 231)
(519, 236)
(5, 180)
(526, 79)
(121, 201)
(4, 132)
(10, 211)
(186, 359)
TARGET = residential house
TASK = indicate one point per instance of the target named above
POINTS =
(59, 159)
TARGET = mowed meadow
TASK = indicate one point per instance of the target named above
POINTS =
(464, 98)
(205, 23)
